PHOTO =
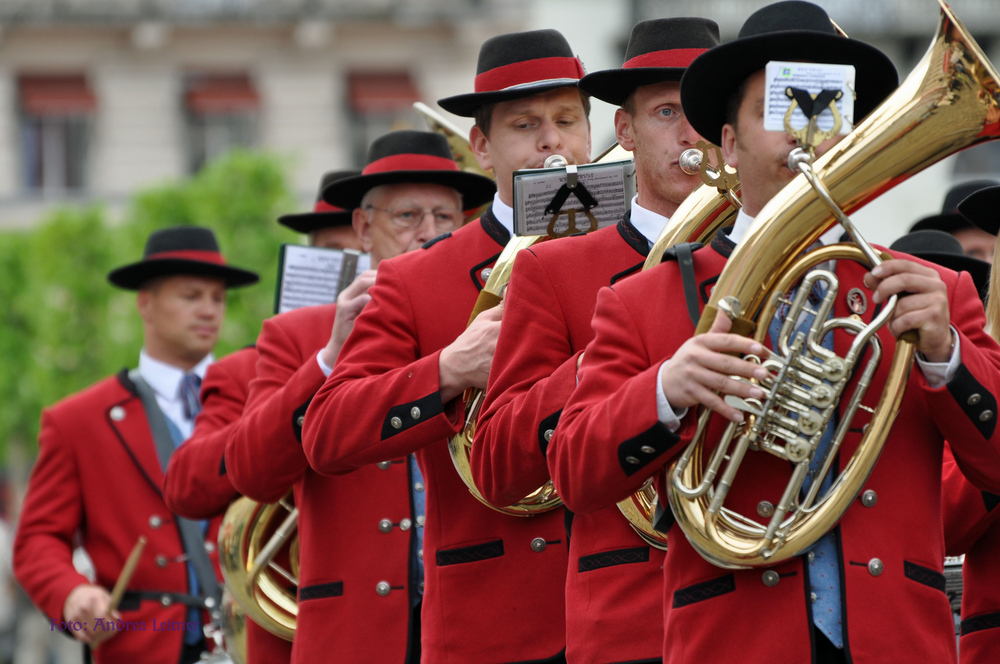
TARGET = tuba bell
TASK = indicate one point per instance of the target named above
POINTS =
(950, 101)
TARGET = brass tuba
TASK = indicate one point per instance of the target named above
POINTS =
(950, 101)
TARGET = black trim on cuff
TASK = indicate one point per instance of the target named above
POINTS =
(222, 465)
(990, 500)
(700, 592)
(546, 425)
(429, 407)
(298, 415)
(470, 554)
(657, 439)
(928, 577)
(596, 561)
(982, 410)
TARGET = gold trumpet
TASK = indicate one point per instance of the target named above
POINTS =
(950, 101)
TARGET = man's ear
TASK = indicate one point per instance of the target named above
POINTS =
(143, 303)
(623, 129)
(480, 147)
(361, 221)
(729, 145)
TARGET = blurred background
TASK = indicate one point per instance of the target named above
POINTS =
(121, 116)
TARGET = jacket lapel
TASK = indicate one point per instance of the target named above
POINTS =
(128, 420)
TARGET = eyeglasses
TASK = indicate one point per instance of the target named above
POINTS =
(408, 218)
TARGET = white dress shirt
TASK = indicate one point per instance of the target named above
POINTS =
(165, 379)
(937, 373)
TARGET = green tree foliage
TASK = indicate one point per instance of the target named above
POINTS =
(63, 326)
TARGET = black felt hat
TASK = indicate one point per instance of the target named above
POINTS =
(951, 218)
(658, 50)
(323, 214)
(982, 208)
(180, 250)
(943, 249)
(410, 157)
(516, 65)
(793, 30)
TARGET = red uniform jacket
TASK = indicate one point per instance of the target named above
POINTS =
(98, 475)
(197, 485)
(891, 545)
(971, 526)
(494, 583)
(546, 324)
(345, 549)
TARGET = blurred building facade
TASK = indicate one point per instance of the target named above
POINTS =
(101, 97)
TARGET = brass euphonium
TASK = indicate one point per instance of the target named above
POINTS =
(948, 103)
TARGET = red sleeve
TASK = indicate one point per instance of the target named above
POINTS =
(380, 375)
(532, 376)
(965, 410)
(967, 513)
(197, 485)
(610, 416)
(264, 453)
(50, 518)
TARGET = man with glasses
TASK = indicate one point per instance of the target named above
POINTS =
(494, 583)
(360, 574)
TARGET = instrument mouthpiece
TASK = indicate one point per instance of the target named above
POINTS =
(796, 157)
(690, 161)
(555, 161)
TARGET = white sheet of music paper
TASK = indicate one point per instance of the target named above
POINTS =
(814, 78)
(308, 276)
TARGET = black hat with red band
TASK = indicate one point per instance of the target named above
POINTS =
(658, 50)
(404, 157)
(187, 250)
(516, 65)
(323, 214)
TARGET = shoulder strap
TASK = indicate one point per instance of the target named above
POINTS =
(191, 535)
(683, 253)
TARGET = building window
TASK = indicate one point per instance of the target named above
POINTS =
(56, 116)
(221, 113)
(379, 102)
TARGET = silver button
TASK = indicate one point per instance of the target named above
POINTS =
(632, 460)
(813, 598)
(405, 524)
(770, 578)
(986, 416)
(538, 545)
(209, 547)
(811, 556)
(382, 588)
(418, 486)
(485, 274)
(548, 434)
(869, 498)
(385, 526)
(166, 600)
(972, 400)
(420, 554)
(117, 413)
(300, 421)
(384, 465)
(765, 509)
(874, 566)
(420, 519)
(415, 413)
(647, 449)
(396, 423)
(161, 561)
(155, 521)
(209, 602)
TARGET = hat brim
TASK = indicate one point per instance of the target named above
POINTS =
(348, 192)
(134, 275)
(942, 222)
(615, 85)
(467, 104)
(981, 209)
(717, 74)
(307, 222)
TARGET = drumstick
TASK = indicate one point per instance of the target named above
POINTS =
(126, 574)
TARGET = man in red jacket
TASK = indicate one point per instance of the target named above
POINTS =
(358, 550)
(872, 589)
(494, 583)
(100, 469)
(546, 325)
